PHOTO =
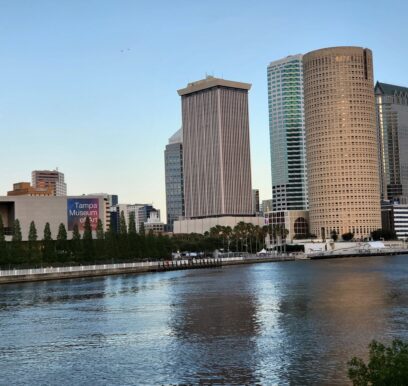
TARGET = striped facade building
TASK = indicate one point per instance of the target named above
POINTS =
(216, 152)
(394, 218)
(341, 142)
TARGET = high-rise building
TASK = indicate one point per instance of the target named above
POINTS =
(266, 206)
(341, 141)
(173, 165)
(255, 201)
(53, 178)
(394, 218)
(287, 134)
(216, 153)
(111, 218)
(392, 125)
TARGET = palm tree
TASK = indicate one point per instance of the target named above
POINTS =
(240, 231)
(227, 235)
(265, 232)
(260, 235)
(279, 232)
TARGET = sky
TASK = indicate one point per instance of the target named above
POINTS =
(90, 86)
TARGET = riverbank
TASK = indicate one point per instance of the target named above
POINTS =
(60, 273)
(334, 255)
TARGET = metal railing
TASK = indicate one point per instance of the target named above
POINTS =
(123, 266)
(78, 268)
(102, 267)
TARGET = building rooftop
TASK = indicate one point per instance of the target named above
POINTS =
(286, 60)
(177, 137)
(340, 50)
(391, 89)
(210, 82)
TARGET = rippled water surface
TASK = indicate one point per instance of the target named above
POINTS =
(273, 323)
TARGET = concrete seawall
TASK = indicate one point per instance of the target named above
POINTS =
(60, 273)
(71, 275)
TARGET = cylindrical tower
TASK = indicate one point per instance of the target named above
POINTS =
(341, 141)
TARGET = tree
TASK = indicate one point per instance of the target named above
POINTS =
(280, 233)
(48, 245)
(16, 231)
(217, 237)
(347, 236)
(240, 232)
(100, 250)
(3, 246)
(75, 233)
(250, 231)
(123, 237)
(142, 229)
(62, 244)
(16, 244)
(132, 223)
(228, 235)
(264, 234)
(32, 240)
(133, 238)
(111, 243)
(76, 242)
(32, 233)
(383, 234)
(87, 229)
(87, 239)
(99, 230)
(122, 225)
(62, 233)
(47, 232)
(386, 365)
(334, 235)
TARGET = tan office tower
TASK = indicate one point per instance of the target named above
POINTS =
(53, 178)
(341, 141)
(216, 154)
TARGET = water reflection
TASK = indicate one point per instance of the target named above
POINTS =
(273, 323)
(216, 328)
(317, 315)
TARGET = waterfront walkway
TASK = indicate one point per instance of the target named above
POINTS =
(54, 273)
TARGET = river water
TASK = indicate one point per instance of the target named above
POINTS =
(294, 323)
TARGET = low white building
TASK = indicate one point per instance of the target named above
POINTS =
(56, 210)
(202, 225)
(329, 247)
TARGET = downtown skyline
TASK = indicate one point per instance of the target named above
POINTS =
(94, 90)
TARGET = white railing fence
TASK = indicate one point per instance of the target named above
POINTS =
(122, 266)
(102, 267)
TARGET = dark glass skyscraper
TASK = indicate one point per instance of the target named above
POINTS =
(173, 160)
(392, 125)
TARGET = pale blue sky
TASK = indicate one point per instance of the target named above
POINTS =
(90, 86)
